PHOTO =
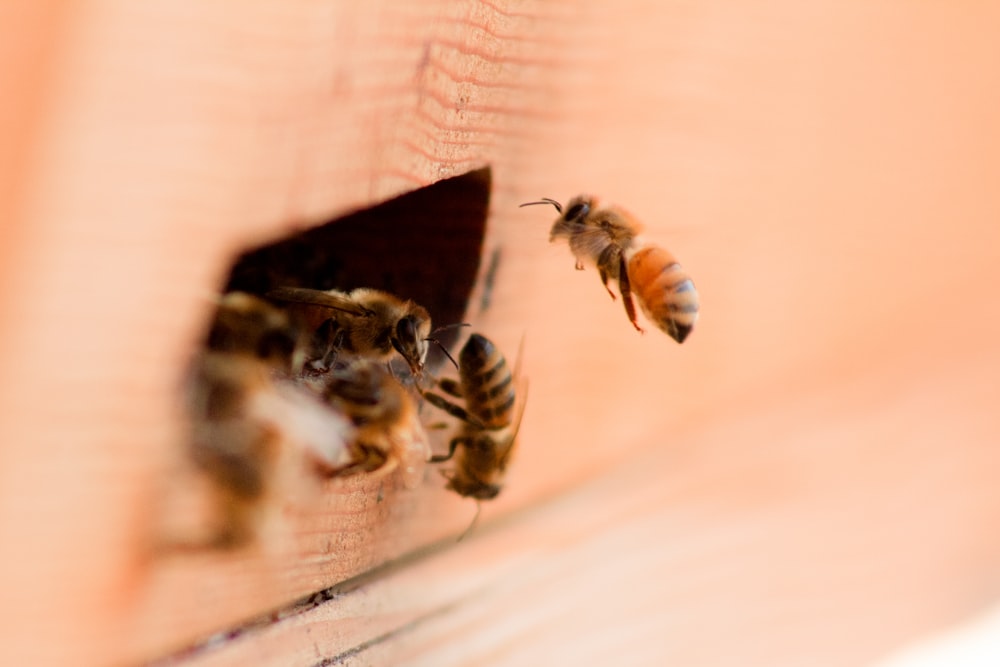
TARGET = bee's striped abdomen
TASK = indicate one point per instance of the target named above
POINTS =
(665, 292)
(487, 383)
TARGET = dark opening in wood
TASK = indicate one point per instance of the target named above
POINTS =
(424, 245)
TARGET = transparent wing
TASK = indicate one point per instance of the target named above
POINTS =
(314, 297)
(522, 399)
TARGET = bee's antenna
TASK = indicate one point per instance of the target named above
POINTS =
(449, 326)
(443, 349)
(432, 339)
(544, 200)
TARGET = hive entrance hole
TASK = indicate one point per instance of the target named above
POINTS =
(424, 245)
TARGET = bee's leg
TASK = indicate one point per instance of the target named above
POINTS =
(456, 411)
(450, 387)
(364, 458)
(432, 339)
(626, 289)
(606, 261)
(604, 279)
(368, 458)
(452, 446)
(320, 344)
(335, 338)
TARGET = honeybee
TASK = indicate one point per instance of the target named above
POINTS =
(383, 413)
(245, 411)
(247, 325)
(366, 322)
(490, 420)
(243, 420)
(228, 443)
(609, 238)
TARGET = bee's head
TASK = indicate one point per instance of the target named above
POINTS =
(409, 338)
(571, 218)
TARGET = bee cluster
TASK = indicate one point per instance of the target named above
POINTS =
(314, 368)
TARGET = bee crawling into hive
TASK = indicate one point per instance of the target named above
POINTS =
(367, 322)
(490, 420)
(609, 238)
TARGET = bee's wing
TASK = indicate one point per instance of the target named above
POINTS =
(504, 456)
(520, 358)
(315, 297)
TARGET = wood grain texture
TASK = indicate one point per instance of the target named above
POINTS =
(172, 136)
(811, 474)
(695, 554)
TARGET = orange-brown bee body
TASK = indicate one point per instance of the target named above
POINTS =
(609, 238)
(664, 291)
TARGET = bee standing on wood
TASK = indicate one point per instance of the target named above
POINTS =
(609, 239)
(383, 413)
(490, 421)
(367, 322)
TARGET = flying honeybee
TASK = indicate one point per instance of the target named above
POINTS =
(383, 413)
(609, 238)
(490, 419)
(367, 322)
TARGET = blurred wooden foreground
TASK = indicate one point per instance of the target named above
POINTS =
(809, 479)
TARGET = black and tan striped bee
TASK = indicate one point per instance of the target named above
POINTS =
(490, 419)
(609, 238)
